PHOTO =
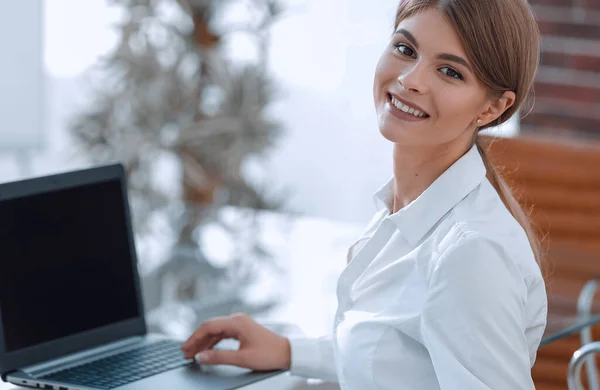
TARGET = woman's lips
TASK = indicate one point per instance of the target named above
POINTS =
(400, 114)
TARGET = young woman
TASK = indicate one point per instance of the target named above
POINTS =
(444, 290)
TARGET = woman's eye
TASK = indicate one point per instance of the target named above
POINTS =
(451, 73)
(406, 50)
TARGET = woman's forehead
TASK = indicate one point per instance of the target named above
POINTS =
(432, 31)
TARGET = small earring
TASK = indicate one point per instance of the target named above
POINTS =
(479, 121)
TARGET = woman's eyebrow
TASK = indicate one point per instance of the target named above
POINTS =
(455, 58)
(408, 36)
(443, 56)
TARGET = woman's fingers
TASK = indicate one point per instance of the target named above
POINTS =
(215, 356)
(208, 343)
(260, 349)
(214, 341)
(222, 327)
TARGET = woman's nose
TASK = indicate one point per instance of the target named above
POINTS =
(413, 79)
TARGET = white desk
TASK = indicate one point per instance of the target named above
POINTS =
(280, 382)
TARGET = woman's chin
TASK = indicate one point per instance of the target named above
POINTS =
(394, 134)
(400, 135)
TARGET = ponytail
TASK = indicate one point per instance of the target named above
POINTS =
(509, 199)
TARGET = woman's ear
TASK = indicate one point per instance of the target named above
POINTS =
(496, 107)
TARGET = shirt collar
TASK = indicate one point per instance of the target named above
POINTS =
(419, 216)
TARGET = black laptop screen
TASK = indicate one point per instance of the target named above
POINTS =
(65, 264)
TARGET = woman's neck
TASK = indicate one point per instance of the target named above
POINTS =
(417, 167)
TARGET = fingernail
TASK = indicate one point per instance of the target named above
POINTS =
(201, 357)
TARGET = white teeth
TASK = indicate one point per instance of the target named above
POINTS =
(401, 106)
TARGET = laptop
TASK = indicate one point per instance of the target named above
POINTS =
(71, 312)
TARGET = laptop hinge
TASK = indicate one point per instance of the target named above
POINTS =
(4, 375)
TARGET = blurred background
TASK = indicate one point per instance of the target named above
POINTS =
(251, 145)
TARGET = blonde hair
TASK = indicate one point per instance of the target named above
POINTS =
(501, 39)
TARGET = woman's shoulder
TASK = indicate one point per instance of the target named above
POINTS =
(482, 229)
(470, 252)
(484, 214)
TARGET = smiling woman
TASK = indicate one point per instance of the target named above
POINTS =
(465, 81)
(443, 290)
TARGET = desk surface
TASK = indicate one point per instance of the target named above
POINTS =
(279, 382)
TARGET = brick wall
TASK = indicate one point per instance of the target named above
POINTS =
(567, 87)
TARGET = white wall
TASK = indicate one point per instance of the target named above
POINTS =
(21, 78)
(334, 156)
(323, 55)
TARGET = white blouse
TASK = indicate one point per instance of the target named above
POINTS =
(444, 294)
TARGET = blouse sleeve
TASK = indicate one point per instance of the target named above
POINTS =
(473, 323)
(313, 358)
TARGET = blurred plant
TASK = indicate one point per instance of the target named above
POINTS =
(168, 89)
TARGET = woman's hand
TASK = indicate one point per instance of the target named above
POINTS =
(260, 349)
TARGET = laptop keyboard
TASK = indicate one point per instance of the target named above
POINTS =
(130, 366)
